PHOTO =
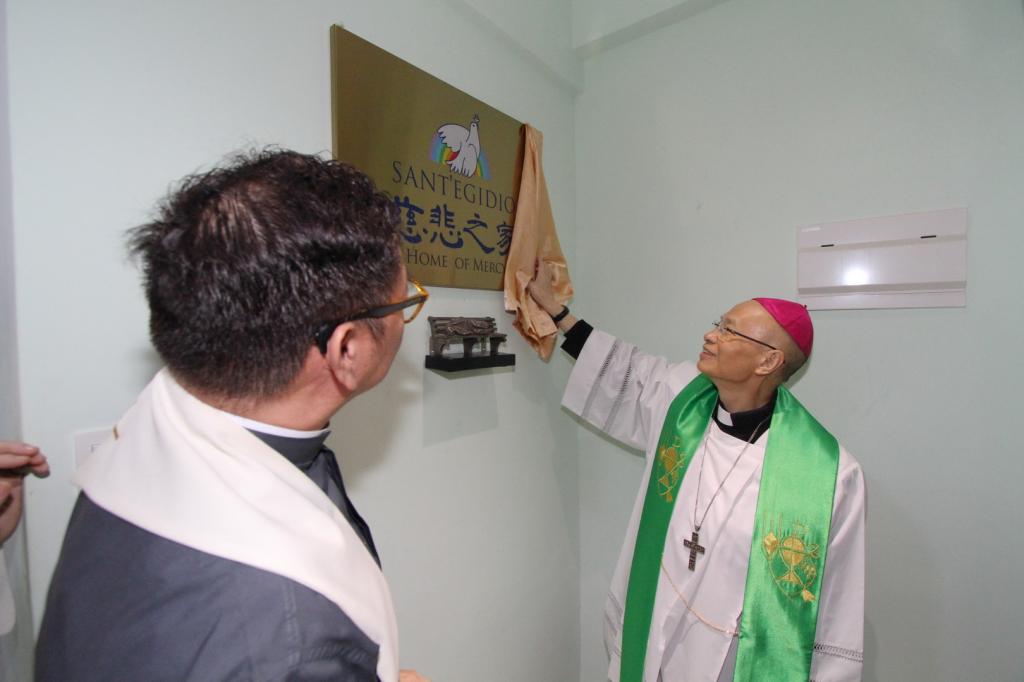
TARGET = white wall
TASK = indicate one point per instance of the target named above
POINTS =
(700, 148)
(469, 483)
(599, 25)
(538, 30)
(16, 646)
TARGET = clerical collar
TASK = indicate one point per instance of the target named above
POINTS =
(742, 425)
(299, 447)
(272, 429)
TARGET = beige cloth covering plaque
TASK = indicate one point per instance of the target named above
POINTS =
(534, 238)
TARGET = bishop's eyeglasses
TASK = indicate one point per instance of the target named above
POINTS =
(409, 306)
(727, 333)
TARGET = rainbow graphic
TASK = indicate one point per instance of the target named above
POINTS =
(442, 153)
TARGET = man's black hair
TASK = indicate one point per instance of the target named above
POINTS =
(243, 262)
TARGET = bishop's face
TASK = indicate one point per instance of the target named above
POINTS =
(729, 357)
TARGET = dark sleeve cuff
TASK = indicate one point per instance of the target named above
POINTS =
(576, 337)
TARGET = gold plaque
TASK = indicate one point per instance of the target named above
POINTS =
(450, 162)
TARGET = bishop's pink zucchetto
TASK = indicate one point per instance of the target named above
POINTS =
(794, 319)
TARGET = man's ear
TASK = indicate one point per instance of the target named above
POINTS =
(345, 350)
(770, 362)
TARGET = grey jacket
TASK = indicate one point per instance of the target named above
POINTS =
(125, 604)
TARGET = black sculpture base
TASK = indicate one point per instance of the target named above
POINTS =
(458, 363)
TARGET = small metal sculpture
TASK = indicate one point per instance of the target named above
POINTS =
(468, 330)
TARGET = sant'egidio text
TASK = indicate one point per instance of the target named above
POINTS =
(448, 185)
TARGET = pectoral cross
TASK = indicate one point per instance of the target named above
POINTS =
(694, 547)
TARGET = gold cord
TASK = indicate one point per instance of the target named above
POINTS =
(731, 633)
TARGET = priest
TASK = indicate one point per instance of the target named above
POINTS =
(213, 538)
(744, 553)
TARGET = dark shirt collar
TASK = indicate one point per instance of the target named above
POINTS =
(298, 447)
(744, 424)
(299, 451)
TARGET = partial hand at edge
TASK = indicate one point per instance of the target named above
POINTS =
(21, 459)
(17, 460)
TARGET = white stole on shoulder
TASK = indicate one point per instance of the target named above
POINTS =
(185, 471)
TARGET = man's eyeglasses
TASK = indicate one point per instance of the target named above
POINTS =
(410, 308)
(727, 333)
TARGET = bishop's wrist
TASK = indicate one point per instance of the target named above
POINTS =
(560, 314)
(552, 308)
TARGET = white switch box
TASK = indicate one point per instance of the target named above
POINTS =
(87, 441)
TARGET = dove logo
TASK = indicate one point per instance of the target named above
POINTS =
(459, 149)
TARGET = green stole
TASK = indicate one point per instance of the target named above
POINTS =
(787, 555)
